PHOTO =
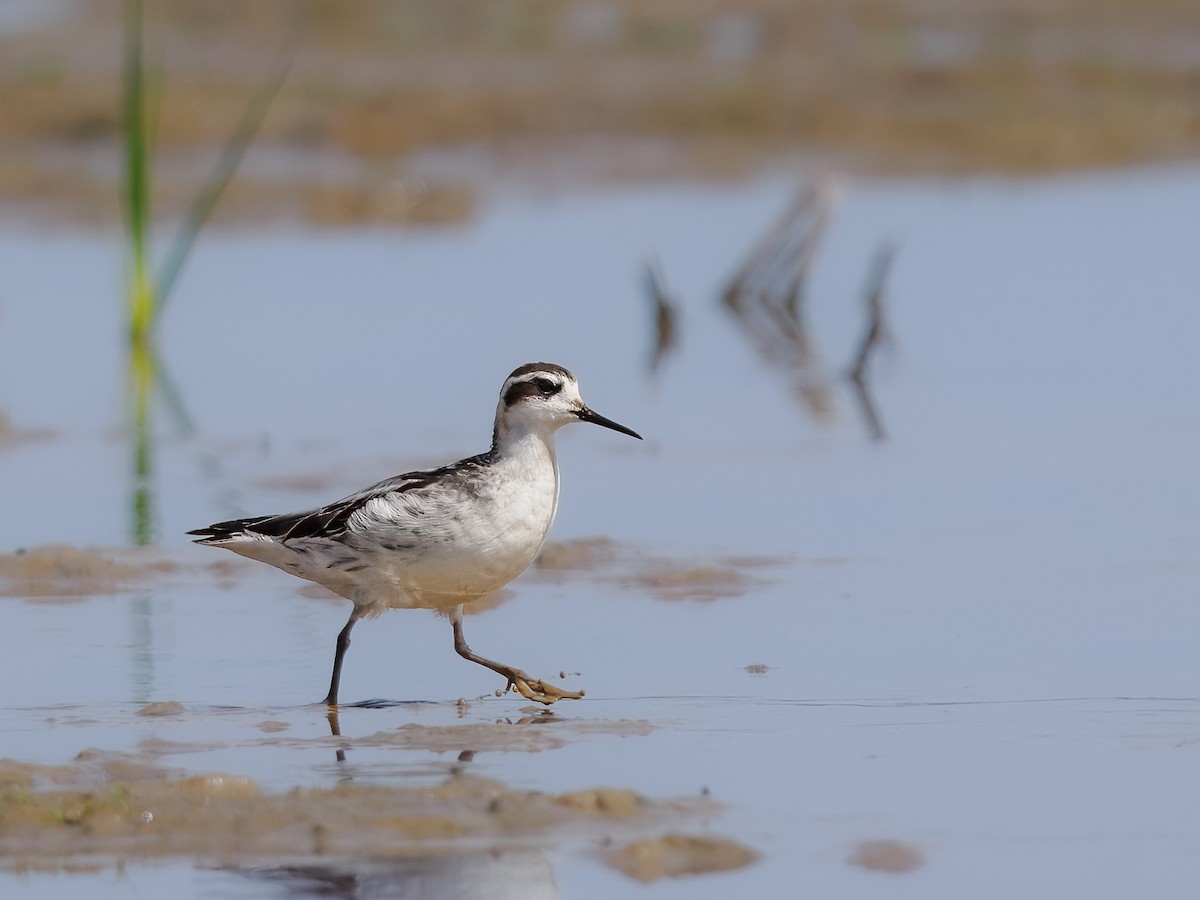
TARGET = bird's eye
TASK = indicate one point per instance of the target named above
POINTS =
(546, 386)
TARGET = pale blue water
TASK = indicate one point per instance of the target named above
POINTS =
(981, 633)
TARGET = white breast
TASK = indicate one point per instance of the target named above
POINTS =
(455, 541)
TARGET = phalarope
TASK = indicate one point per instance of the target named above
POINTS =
(436, 539)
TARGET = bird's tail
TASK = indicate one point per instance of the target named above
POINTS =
(226, 531)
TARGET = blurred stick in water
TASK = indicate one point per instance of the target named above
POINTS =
(766, 294)
(777, 267)
(876, 331)
(665, 313)
(875, 334)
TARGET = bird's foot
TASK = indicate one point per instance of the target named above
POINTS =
(535, 689)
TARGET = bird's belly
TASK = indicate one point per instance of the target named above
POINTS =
(442, 583)
(439, 565)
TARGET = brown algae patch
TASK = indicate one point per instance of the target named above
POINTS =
(887, 856)
(11, 435)
(582, 554)
(228, 816)
(669, 581)
(676, 855)
(663, 577)
(162, 708)
(92, 766)
(57, 571)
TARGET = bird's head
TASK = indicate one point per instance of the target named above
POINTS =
(541, 398)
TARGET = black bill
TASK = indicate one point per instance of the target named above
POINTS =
(595, 418)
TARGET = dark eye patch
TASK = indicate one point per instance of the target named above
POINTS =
(534, 387)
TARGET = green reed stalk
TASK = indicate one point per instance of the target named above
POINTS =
(140, 285)
(142, 376)
(148, 291)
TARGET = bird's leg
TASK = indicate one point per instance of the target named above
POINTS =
(343, 642)
(529, 688)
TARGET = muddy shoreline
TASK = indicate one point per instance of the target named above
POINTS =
(407, 114)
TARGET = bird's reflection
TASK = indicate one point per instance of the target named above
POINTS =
(502, 874)
(496, 874)
(465, 756)
(335, 730)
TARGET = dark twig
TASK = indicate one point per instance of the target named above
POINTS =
(767, 292)
(874, 334)
(777, 267)
(665, 313)
(876, 330)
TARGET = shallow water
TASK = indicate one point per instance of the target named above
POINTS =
(973, 637)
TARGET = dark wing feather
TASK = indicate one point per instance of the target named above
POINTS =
(225, 529)
(330, 521)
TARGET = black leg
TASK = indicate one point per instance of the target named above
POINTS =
(461, 648)
(343, 643)
(529, 688)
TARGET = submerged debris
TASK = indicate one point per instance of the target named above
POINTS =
(12, 435)
(60, 570)
(874, 335)
(162, 708)
(773, 276)
(578, 554)
(671, 581)
(767, 297)
(661, 576)
(230, 816)
(876, 331)
(675, 855)
(887, 856)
